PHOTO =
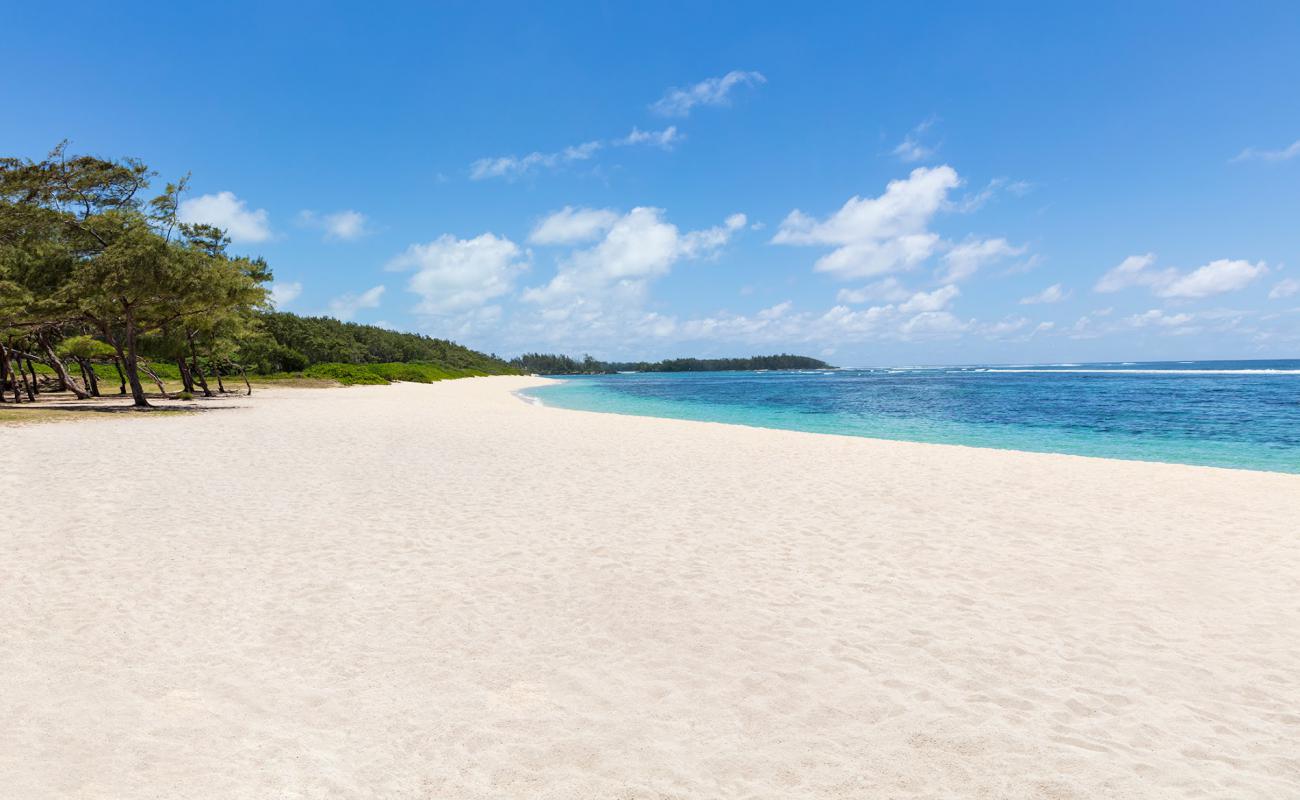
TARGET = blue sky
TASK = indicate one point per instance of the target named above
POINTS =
(930, 184)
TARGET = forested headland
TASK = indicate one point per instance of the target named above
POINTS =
(553, 364)
(102, 284)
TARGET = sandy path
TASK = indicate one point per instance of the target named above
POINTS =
(443, 592)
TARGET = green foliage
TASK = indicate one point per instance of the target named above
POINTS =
(93, 272)
(85, 347)
(373, 374)
(292, 342)
(551, 364)
(346, 374)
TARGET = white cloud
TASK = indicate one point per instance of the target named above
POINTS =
(347, 225)
(1014, 329)
(1284, 288)
(346, 306)
(284, 293)
(933, 324)
(975, 202)
(709, 92)
(876, 235)
(1254, 154)
(454, 275)
(1052, 294)
(889, 289)
(930, 301)
(226, 211)
(965, 259)
(515, 167)
(664, 139)
(1216, 277)
(1160, 318)
(912, 148)
(636, 248)
(571, 225)
(1134, 271)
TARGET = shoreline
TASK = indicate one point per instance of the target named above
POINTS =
(438, 590)
(541, 403)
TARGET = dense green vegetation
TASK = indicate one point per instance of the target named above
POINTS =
(552, 364)
(94, 275)
(293, 343)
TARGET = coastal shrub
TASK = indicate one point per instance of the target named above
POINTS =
(346, 374)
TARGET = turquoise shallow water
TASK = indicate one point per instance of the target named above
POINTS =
(1238, 414)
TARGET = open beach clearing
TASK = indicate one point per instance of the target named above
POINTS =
(441, 591)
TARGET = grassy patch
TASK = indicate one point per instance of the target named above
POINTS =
(24, 416)
(365, 374)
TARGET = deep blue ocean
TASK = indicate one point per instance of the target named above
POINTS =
(1239, 414)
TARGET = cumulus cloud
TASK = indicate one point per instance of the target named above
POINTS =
(453, 275)
(1160, 318)
(283, 294)
(226, 211)
(1216, 277)
(1052, 294)
(930, 301)
(889, 290)
(1284, 288)
(838, 325)
(572, 225)
(634, 249)
(345, 307)
(1134, 271)
(678, 102)
(1255, 154)
(933, 324)
(876, 235)
(965, 259)
(347, 225)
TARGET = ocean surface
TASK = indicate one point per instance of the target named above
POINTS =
(1238, 414)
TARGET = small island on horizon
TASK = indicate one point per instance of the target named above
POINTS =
(558, 364)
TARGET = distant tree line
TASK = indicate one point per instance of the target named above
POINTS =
(96, 275)
(553, 364)
(292, 343)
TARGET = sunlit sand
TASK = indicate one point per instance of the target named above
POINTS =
(442, 591)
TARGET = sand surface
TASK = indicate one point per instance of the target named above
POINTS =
(445, 592)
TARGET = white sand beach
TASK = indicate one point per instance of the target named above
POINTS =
(441, 591)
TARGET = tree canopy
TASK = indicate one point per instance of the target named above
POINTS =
(94, 271)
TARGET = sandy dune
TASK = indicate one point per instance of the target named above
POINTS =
(444, 592)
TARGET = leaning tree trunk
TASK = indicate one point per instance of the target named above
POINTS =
(244, 373)
(187, 380)
(4, 375)
(66, 384)
(33, 388)
(27, 385)
(162, 389)
(130, 359)
(117, 365)
(196, 372)
(216, 370)
(89, 376)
